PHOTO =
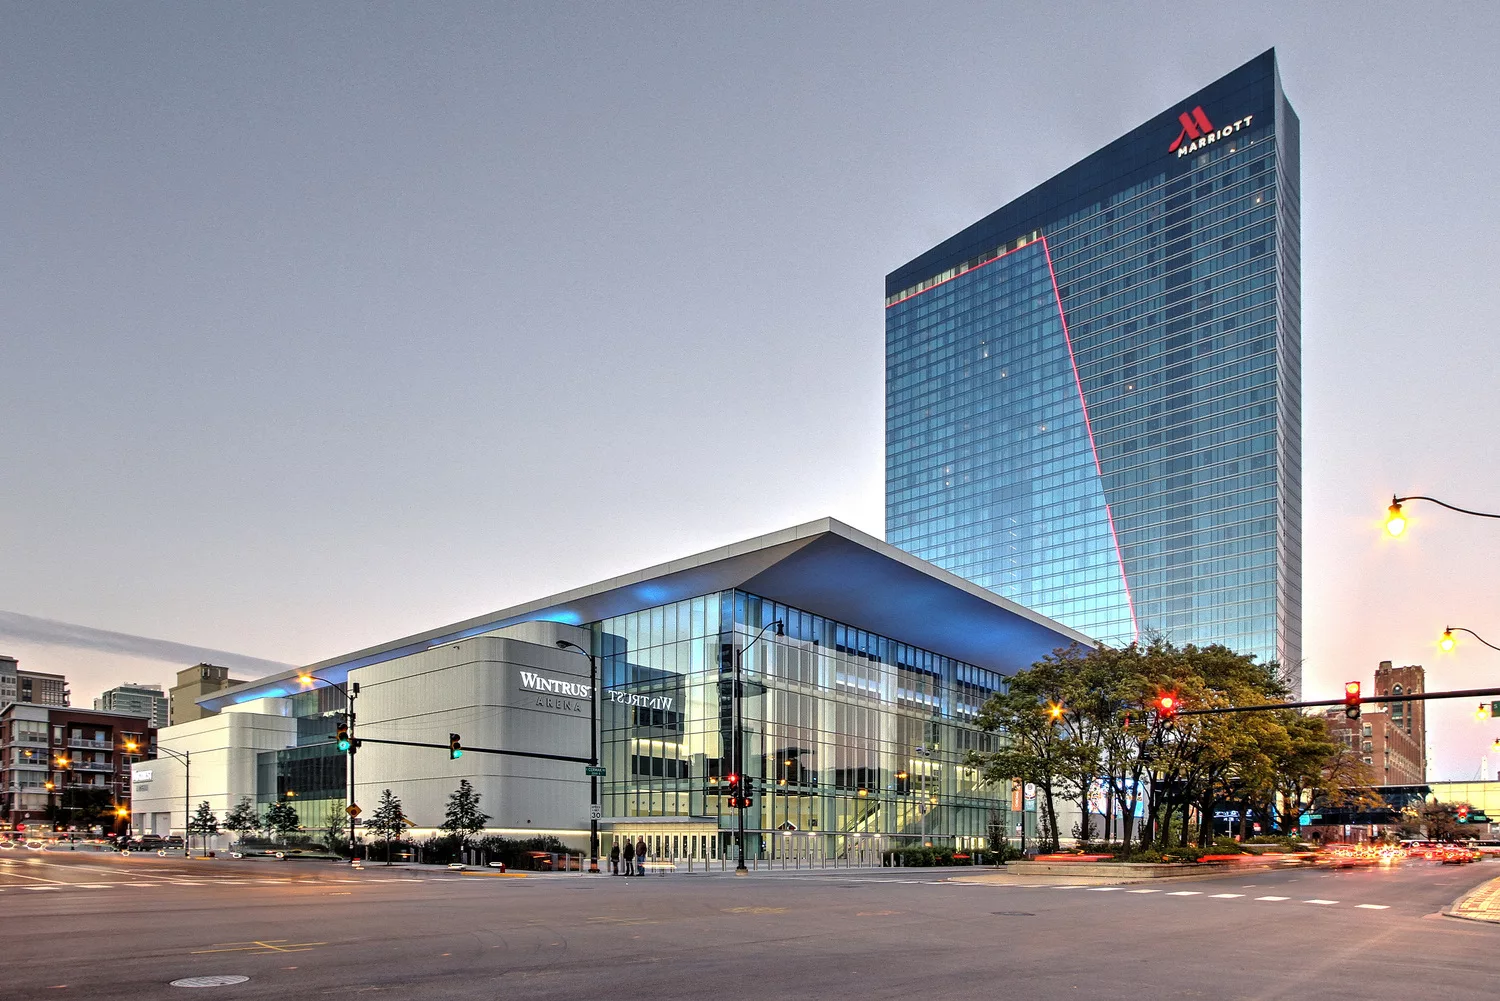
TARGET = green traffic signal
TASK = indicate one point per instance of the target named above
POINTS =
(344, 742)
(455, 749)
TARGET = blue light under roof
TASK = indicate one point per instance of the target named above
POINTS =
(824, 567)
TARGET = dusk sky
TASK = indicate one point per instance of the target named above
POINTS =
(324, 324)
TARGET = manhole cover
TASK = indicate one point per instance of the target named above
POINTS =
(1014, 914)
(222, 980)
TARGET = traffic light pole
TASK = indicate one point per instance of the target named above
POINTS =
(593, 750)
(476, 750)
(353, 747)
(1328, 703)
(739, 739)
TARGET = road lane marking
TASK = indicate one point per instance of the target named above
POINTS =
(1186, 893)
(1318, 900)
(1273, 898)
(1142, 891)
(1225, 896)
(260, 948)
(1104, 889)
(1374, 907)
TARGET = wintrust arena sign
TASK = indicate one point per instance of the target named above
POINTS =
(1197, 131)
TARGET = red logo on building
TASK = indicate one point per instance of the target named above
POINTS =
(1194, 124)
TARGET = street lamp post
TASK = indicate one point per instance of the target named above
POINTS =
(1448, 642)
(1395, 520)
(925, 752)
(593, 750)
(187, 784)
(349, 693)
(739, 736)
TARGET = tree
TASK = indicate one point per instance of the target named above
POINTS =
(281, 819)
(203, 823)
(242, 819)
(464, 819)
(335, 822)
(1440, 820)
(388, 823)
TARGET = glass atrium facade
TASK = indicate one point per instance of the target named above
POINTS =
(1094, 394)
(850, 738)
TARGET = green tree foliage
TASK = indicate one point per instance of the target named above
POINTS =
(388, 823)
(1082, 720)
(281, 819)
(204, 821)
(242, 819)
(463, 818)
(335, 823)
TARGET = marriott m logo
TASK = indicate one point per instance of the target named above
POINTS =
(1194, 124)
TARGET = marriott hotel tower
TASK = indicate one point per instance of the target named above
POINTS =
(1093, 394)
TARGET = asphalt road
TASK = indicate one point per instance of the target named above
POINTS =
(101, 926)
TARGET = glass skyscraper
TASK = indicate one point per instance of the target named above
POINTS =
(1093, 395)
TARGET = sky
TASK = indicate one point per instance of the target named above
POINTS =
(325, 324)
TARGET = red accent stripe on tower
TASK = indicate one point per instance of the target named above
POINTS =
(1068, 339)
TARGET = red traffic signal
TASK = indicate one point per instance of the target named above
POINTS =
(1463, 813)
(1351, 699)
(1166, 705)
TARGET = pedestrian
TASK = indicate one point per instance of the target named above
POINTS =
(614, 859)
(640, 857)
(629, 856)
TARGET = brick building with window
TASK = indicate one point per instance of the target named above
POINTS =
(1391, 738)
(60, 767)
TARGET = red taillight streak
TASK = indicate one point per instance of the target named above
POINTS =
(1088, 426)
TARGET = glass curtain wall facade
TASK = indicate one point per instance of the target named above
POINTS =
(1094, 394)
(848, 735)
(313, 776)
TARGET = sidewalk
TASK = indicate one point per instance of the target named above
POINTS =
(1480, 904)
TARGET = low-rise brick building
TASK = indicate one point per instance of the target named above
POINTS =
(60, 765)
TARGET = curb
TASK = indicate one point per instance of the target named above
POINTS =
(1488, 887)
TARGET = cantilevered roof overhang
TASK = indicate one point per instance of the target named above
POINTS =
(824, 567)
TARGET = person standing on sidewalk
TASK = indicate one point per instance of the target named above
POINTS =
(641, 851)
(629, 856)
(614, 859)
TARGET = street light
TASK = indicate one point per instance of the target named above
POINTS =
(1395, 518)
(739, 734)
(1449, 641)
(307, 681)
(187, 784)
(593, 750)
(923, 751)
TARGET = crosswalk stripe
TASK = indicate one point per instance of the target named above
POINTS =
(1142, 891)
(1272, 898)
(1374, 907)
(1225, 896)
(1186, 893)
(1104, 889)
(1316, 900)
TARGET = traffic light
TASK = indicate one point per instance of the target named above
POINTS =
(1351, 699)
(1463, 813)
(739, 791)
(342, 738)
(1166, 705)
(455, 749)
